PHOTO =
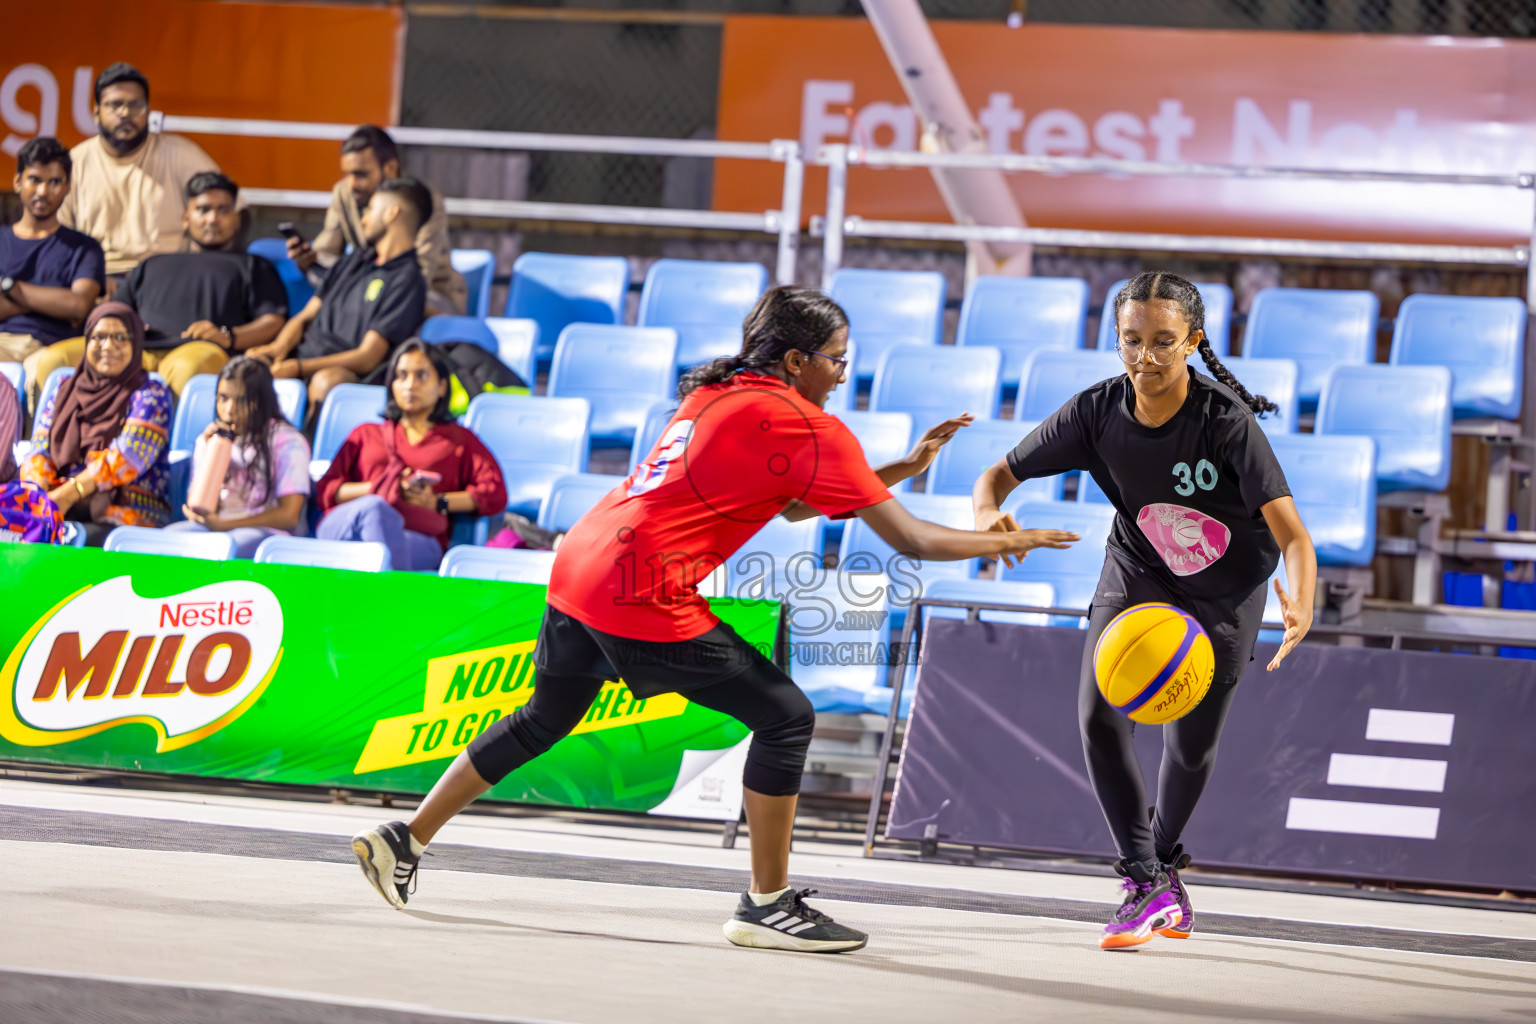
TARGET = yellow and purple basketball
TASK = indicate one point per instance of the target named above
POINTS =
(1153, 663)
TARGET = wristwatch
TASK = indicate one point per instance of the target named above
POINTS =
(442, 505)
(6, 284)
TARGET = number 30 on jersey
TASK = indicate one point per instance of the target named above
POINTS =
(1204, 477)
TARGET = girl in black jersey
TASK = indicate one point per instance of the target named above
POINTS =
(1172, 449)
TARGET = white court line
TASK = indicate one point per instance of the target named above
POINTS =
(505, 834)
(283, 993)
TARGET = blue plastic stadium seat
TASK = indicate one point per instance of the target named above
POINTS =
(1218, 315)
(884, 436)
(438, 329)
(934, 382)
(275, 251)
(356, 555)
(1073, 571)
(1319, 328)
(1021, 314)
(706, 302)
(555, 290)
(72, 534)
(195, 409)
(1406, 409)
(292, 399)
(780, 547)
(508, 565)
(1481, 339)
(1089, 491)
(1333, 482)
(972, 450)
(535, 440)
(1051, 376)
(479, 269)
(143, 540)
(347, 406)
(656, 419)
(1276, 380)
(834, 655)
(622, 371)
(517, 345)
(571, 496)
(889, 307)
(863, 550)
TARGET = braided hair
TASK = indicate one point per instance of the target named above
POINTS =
(786, 318)
(1152, 286)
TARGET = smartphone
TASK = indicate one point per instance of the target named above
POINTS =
(287, 230)
(423, 478)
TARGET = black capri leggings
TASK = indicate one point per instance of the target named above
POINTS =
(1189, 743)
(761, 697)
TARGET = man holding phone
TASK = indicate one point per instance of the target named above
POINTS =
(368, 159)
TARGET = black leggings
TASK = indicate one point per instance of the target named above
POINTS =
(762, 698)
(1189, 743)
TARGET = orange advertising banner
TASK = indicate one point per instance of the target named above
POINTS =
(282, 62)
(1170, 95)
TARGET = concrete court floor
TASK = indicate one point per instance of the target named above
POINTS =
(127, 906)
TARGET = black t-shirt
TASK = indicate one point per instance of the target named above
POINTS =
(359, 296)
(1188, 493)
(58, 261)
(174, 290)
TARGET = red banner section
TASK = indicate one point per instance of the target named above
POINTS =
(283, 62)
(1244, 98)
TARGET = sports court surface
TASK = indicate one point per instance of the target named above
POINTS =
(154, 906)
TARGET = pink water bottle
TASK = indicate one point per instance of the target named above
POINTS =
(208, 481)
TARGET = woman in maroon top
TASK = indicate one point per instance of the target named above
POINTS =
(397, 481)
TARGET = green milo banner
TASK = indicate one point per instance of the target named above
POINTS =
(320, 677)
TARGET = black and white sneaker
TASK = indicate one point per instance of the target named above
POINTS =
(384, 854)
(787, 923)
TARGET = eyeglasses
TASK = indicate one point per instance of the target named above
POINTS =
(112, 339)
(121, 107)
(841, 364)
(1160, 354)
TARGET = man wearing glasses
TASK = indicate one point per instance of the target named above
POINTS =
(128, 181)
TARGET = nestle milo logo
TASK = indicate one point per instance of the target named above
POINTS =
(185, 665)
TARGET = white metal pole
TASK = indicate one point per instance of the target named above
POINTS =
(789, 211)
(836, 158)
(973, 196)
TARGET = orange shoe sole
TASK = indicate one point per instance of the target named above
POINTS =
(1123, 941)
(1173, 933)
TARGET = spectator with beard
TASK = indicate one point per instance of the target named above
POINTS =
(368, 159)
(371, 301)
(50, 276)
(128, 182)
(201, 305)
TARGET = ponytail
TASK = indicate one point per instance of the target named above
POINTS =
(1151, 287)
(785, 319)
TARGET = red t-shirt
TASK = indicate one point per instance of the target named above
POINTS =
(449, 450)
(733, 456)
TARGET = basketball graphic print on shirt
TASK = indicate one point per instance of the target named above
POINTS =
(669, 449)
(1188, 541)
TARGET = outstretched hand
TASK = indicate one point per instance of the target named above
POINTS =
(934, 438)
(1297, 622)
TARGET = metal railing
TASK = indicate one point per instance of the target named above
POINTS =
(837, 225)
(783, 222)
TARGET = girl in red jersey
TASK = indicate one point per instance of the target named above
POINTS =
(751, 440)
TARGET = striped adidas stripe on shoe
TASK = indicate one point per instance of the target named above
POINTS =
(385, 855)
(788, 923)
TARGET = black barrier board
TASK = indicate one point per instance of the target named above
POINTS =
(1347, 761)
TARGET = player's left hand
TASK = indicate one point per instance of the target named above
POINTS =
(1297, 622)
(934, 438)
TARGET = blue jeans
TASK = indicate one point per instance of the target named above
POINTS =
(372, 518)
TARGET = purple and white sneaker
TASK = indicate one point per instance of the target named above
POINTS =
(1179, 860)
(1149, 906)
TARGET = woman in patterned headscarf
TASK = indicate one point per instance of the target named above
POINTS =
(100, 443)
